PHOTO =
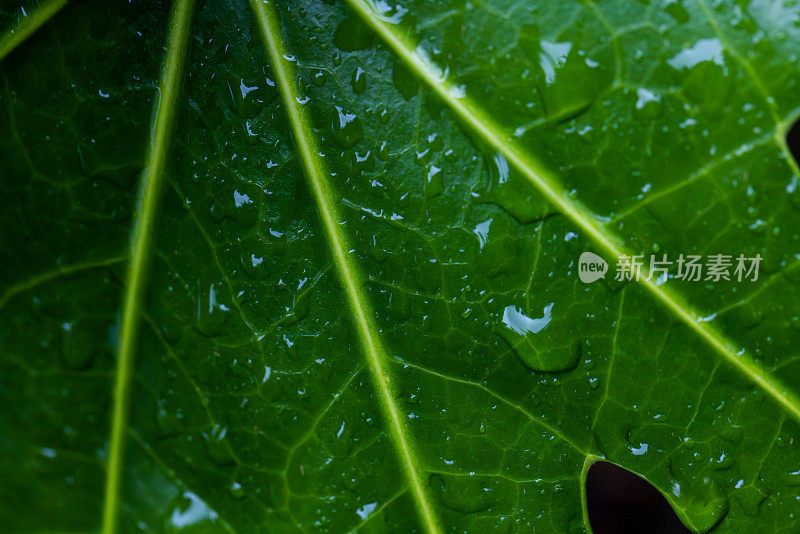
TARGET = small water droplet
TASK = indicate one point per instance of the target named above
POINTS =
(359, 80)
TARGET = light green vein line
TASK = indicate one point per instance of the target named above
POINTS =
(548, 184)
(141, 241)
(43, 278)
(469, 383)
(284, 70)
(27, 25)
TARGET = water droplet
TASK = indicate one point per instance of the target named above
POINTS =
(299, 309)
(750, 499)
(482, 231)
(318, 78)
(188, 511)
(249, 97)
(434, 184)
(648, 104)
(211, 312)
(358, 81)
(77, 349)
(676, 10)
(469, 494)
(520, 331)
(365, 511)
(702, 498)
(217, 448)
(722, 462)
(513, 195)
(236, 490)
(792, 479)
(351, 34)
(346, 126)
(703, 50)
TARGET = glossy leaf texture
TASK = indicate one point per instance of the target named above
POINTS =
(468, 153)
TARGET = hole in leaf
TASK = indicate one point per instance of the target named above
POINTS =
(793, 140)
(620, 502)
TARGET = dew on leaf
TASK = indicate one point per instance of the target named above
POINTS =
(352, 34)
(434, 184)
(468, 494)
(513, 195)
(358, 81)
(189, 512)
(404, 80)
(299, 309)
(709, 86)
(676, 10)
(648, 103)
(249, 99)
(520, 331)
(482, 231)
(318, 78)
(236, 490)
(365, 511)
(703, 50)
(217, 448)
(211, 312)
(750, 499)
(792, 479)
(362, 162)
(346, 126)
(702, 498)
(77, 341)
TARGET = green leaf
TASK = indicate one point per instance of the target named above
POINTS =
(314, 266)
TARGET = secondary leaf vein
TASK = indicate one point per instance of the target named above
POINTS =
(267, 16)
(141, 241)
(548, 185)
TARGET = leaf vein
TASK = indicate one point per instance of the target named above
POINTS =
(267, 16)
(548, 185)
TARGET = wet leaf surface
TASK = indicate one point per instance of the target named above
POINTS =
(369, 317)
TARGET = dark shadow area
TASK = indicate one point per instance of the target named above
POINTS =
(620, 502)
(793, 140)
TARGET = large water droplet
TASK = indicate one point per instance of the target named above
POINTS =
(513, 195)
(702, 498)
(538, 353)
(750, 499)
(352, 34)
(191, 513)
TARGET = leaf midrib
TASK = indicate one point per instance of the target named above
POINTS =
(547, 183)
(350, 278)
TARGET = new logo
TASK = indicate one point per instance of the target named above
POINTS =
(591, 267)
